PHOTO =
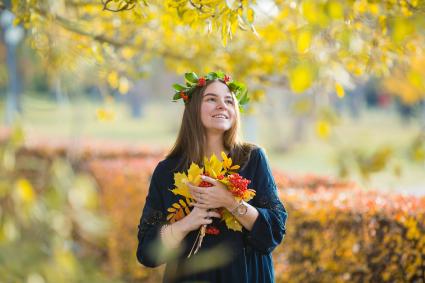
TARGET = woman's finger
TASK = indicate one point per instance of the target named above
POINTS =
(209, 180)
(214, 214)
(195, 195)
(200, 205)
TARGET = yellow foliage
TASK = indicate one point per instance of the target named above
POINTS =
(323, 129)
(25, 192)
(178, 210)
(402, 28)
(213, 166)
(113, 79)
(229, 35)
(335, 10)
(304, 41)
(227, 162)
(105, 115)
(180, 180)
(339, 90)
(124, 85)
(231, 222)
(301, 78)
(408, 82)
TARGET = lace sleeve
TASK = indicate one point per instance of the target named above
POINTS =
(151, 221)
(270, 227)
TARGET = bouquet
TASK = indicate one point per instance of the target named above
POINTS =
(224, 172)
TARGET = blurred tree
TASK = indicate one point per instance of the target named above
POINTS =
(319, 46)
(303, 42)
(51, 224)
(12, 35)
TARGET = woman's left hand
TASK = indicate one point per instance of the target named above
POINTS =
(211, 197)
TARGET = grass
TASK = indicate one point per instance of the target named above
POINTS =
(159, 125)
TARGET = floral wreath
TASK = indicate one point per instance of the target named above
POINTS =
(192, 82)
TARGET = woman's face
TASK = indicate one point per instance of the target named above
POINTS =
(217, 108)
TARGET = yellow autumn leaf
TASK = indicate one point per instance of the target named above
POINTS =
(194, 174)
(248, 195)
(374, 8)
(335, 10)
(176, 205)
(113, 79)
(180, 180)
(339, 90)
(402, 28)
(105, 115)
(25, 191)
(128, 53)
(186, 210)
(227, 161)
(124, 85)
(314, 12)
(304, 41)
(213, 166)
(416, 79)
(323, 129)
(182, 203)
(301, 78)
(231, 222)
(250, 15)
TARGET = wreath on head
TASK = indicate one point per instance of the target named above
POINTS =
(194, 82)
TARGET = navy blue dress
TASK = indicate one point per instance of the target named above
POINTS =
(229, 256)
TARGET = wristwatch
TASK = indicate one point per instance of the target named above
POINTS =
(241, 209)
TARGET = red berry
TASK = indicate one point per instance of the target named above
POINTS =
(212, 230)
(202, 81)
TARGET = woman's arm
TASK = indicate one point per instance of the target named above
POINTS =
(173, 234)
(246, 220)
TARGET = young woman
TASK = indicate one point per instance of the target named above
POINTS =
(209, 126)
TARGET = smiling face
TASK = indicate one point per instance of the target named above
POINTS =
(217, 108)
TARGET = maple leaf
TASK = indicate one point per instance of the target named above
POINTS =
(227, 162)
(213, 166)
(231, 222)
(248, 195)
(180, 180)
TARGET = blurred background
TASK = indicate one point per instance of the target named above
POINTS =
(337, 94)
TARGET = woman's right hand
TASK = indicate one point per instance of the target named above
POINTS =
(198, 217)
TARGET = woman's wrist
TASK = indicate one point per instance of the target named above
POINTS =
(232, 203)
(181, 228)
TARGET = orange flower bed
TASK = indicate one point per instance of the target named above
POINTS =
(336, 231)
(352, 236)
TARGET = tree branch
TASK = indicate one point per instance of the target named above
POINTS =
(70, 26)
(127, 6)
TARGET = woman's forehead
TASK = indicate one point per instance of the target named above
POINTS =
(218, 95)
(217, 89)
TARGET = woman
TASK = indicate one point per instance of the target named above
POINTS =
(210, 126)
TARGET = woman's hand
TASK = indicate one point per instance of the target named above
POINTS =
(198, 217)
(211, 197)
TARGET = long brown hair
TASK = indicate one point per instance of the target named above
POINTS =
(191, 140)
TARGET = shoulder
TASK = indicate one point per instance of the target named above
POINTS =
(249, 154)
(167, 165)
(254, 150)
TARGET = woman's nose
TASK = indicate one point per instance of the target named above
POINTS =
(221, 104)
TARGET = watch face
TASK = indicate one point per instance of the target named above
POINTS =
(242, 209)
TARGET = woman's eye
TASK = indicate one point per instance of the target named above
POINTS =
(229, 102)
